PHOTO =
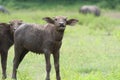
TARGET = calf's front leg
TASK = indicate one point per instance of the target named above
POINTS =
(56, 64)
(48, 64)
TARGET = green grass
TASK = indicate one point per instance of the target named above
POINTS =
(90, 50)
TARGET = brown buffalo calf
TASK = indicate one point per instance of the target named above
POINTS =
(46, 39)
(6, 41)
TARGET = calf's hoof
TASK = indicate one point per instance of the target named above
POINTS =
(14, 79)
(4, 77)
(58, 78)
(47, 79)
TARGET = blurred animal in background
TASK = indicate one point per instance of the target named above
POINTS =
(90, 9)
(4, 10)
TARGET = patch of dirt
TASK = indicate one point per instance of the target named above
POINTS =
(112, 14)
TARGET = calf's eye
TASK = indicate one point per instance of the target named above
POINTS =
(55, 19)
(65, 19)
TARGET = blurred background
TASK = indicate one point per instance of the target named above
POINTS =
(17, 4)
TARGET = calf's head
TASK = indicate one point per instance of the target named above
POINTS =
(14, 24)
(60, 22)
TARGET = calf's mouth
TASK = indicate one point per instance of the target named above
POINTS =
(62, 27)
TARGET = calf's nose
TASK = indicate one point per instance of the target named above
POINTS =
(61, 24)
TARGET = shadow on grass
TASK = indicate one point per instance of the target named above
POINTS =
(87, 70)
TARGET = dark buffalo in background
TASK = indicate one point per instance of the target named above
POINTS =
(6, 41)
(4, 10)
(46, 39)
(90, 9)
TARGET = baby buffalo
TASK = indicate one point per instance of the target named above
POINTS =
(6, 41)
(45, 39)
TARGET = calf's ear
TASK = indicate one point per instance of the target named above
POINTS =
(20, 22)
(72, 22)
(48, 20)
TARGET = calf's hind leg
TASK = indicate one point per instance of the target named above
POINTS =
(19, 55)
(4, 63)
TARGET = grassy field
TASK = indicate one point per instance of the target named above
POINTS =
(90, 49)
